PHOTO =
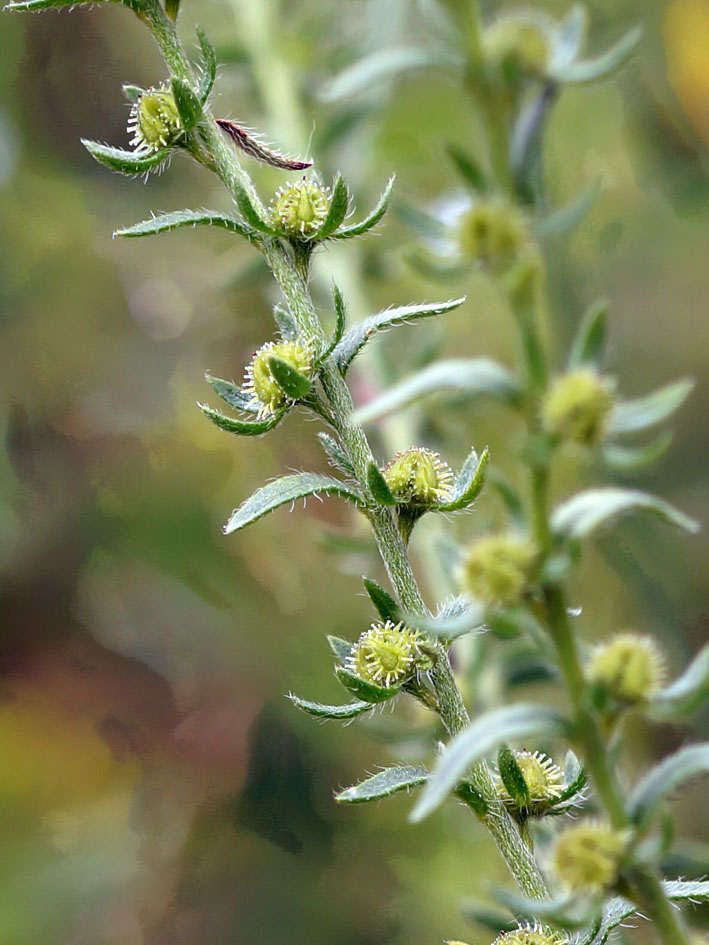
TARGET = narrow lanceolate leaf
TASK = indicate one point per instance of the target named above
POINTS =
(241, 427)
(341, 648)
(336, 455)
(586, 511)
(363, 689)
(356, 338)
(293, 384)
(340, 318)
(188, 104)
(486, 916)
(209, 65)
(559, 911)
(485, 734)
(376, 67)
(381, 493)
(132, 92)
(337, 211)
(634, 415)
(618, 909)
(628, 458)
(249, 212)
(688, 692)
(165, 222)
(468, 168)
(564, 220)
(661, 782)
(287, 325)
(125, 162)
(30, 6)
(512, 777)
(383, 784)
(455, 618)
(385, 605)
(232, 394)
(687, 890)
(589, 344)
(357, 229)
(284, 491)
(469, 483)
(476, 377)
(321, 711)
(569, 38)
(588, 70)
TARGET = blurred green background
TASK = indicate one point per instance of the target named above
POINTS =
(155, 786)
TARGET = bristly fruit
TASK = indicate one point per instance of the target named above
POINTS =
(494, 233)
(588, 857)
(387, 654)
(265, 391)
(300, 209)
(418, 476)
(154, 121)
(497, 568)
(629, 667)
(578, 406)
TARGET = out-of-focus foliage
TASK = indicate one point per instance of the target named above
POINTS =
(144, 654)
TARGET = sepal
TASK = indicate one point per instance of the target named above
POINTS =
(469, 483)
(384, 603)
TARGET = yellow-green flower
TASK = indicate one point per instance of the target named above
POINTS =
(629, 667)
(530, 935)
(494, 233)
(497, 569)
(300, 209)
(266, 392)
(518, 45)
(387, 654)
(578, 405)
(154, 121)
(418, 476)
(588, 857)
(543, 778)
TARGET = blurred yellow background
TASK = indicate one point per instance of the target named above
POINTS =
(155, 786)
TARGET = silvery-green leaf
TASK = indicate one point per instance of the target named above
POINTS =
(662, 780)
(357, 229)
(385, 605)
(378, 486)
(335, 454)
(241, 427)
(188, 104)
(469, 483)
(125, 162)
(586, 511)
(232, 394)
(209, 65)
(512, 777)
(588, 70)
(337, 210)
(687, 693)
(341, 648)
(132, 92)
(293, 384)
(628, 458)
(321, 711)
(378, 66)
(484, 915)
(467, 616)
(421, 221)
(30, 6)
(564, 220)
(249, 212)
(284, 491)
(468, 168)
(287, 325)
(569, 38)
(687, 890)
(355, 339)
(561, 912)
(634, 415)
(363, 689)
(181, 218)
(589, 344)
(385, 783)
(475, 377)
(340, 320)
(481, 737)
(618, 909)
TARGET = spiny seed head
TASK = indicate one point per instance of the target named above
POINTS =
(578, 405)
(629, 666)
(300, 209)
(496, 569)
(589, 856)
(494, 233)
(518, 45)
(387, 654)
(530, 935)
(418, 476)
(266, 393)
(154, 121)
(543, 778)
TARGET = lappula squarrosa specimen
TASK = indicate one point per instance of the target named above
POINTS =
(598, 872)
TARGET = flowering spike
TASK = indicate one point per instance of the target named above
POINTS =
(387, 654)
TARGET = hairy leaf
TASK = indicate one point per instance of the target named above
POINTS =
(293, 384)
(385, 605)
(188, 104)
(363, 689)
(559, 911)
(378, 487)
(357, 229)
(481, 737)
(209, 65)
(512, 777)
(469, 483)
(569, 38)
(232, 394)
(456, 618)
(287, 325)
(384, 64)
(341, 648)
(356, 338)
(337, 210)
(241, 427)
(249, 212)
(589, 344)
(30, 6)
(340, 315)
(321, 711)
(165, 222)
(564, 220)
(125, 162)
(664, 778)
(634, 415)
(284, 491)
(468, 168)
(586, 511)
(628, 458)
(386, 782)
(474, 377)
(335, 454)
(686, 693)
(618, 909)
(588, 70)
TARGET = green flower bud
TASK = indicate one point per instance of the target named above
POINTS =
(418, 476)
(387, 654)
(543, 778)
(154, 121)
(629, 667)
(530, 935)
(497, 569)
(266, 392)
(300, 209)
(494, 233)
(517, 45)
(588, 857)
(578, 405)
